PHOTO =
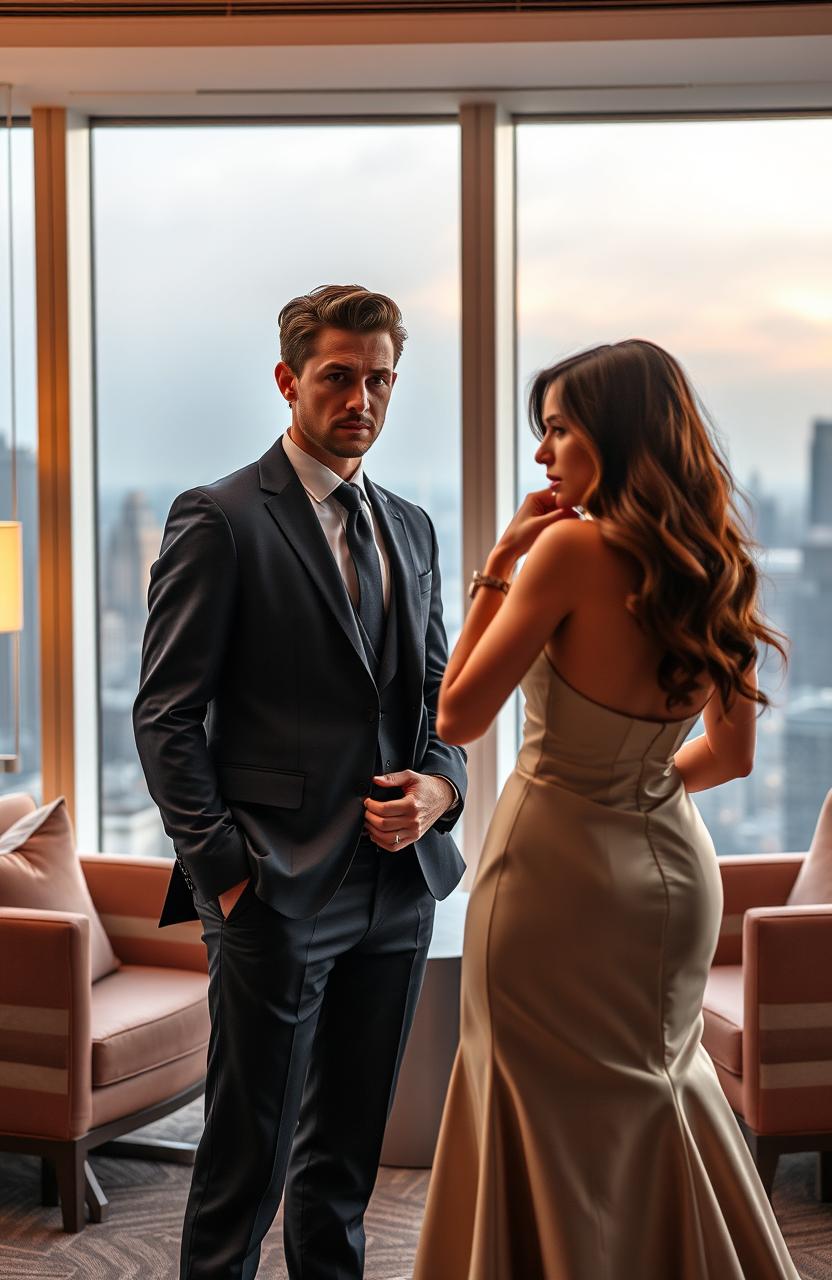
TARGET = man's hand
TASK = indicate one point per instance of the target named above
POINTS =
(395, 824)
(228, 899)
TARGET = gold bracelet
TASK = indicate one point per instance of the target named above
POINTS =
(486, 580)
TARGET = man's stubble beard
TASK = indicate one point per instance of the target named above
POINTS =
(351, 449)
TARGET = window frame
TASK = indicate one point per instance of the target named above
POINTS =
(69, 658)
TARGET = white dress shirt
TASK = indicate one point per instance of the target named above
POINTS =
(320, 484)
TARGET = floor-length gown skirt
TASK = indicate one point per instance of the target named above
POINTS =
(586, 1135)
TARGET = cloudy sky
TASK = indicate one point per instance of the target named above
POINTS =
(23, 241)
(201, 235)
(714, 239)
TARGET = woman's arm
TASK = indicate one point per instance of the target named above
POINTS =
(503, 634)
(726, 749)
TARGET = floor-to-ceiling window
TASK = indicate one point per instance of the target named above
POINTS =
(713, 239)
(18, 388)
(201, 233)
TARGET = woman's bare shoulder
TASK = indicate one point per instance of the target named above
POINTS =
(574, 539)
(566, 554)
(579, 551)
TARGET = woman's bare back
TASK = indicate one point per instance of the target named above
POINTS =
(601, 650)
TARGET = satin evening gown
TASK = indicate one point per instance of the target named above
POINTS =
(585, 1133)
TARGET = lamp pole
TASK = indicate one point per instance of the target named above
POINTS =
(11, 554)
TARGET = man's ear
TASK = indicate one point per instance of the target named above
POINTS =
(286, 381)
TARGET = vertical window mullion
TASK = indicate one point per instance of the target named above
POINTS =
(55, 532)
(488, 389)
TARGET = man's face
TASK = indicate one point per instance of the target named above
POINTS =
(339, 400)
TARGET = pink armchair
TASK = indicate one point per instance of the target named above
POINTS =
(82, 1064)
(768, 1013)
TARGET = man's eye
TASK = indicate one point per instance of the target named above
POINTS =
(380, 380)
(334, 377)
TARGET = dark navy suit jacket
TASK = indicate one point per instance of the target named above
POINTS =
(257, 714)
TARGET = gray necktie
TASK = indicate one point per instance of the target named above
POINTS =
(365, 559)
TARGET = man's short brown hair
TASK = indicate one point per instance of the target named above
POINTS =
(336, 306)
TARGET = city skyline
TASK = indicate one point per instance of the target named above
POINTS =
(775, 807)
(793, 751)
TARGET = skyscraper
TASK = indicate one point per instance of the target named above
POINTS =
(763, 513)
(808, 765)
(807, 747)
(811, 624)
(133, 546)
(131, 822)
(820, 477)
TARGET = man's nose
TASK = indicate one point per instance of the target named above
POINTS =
(358, 399)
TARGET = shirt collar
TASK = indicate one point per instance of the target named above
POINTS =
(319, 481)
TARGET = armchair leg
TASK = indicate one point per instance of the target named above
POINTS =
(766, 1154)
(823, 1184)
(69, 1168)
(94, 1196)
(767, 1168)
(48, 1184)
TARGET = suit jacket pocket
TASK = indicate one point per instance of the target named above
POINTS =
(425, 582)
(250, 785)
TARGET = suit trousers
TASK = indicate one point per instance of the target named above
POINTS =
(309, 1020)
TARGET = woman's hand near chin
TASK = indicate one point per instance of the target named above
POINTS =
(536, 512)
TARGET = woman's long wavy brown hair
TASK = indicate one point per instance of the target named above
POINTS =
(663, 492)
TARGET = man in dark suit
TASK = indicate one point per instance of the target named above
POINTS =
(285, 722)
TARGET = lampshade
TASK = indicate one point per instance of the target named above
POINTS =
(11, 576)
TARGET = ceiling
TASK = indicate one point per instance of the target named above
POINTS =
(753, 72)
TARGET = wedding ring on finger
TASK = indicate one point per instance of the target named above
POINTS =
(398, 837)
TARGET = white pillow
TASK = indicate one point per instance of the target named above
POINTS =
(814, 881)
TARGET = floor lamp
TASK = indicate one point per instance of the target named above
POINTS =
(11, 536)
(11, 620)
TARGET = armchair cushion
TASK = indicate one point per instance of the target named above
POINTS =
(40, 870)
(814, 883)
(145, 1017)
(723, 1013)
(129, 893)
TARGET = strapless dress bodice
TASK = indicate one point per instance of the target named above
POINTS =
(609, 757)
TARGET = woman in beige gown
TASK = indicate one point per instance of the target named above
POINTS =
(585, 1133)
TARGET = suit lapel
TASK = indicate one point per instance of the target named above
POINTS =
(403, 587)
(290, 508)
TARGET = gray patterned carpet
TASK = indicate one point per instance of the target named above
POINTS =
(140, 1239)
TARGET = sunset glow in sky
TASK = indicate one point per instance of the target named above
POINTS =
(713, 239)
